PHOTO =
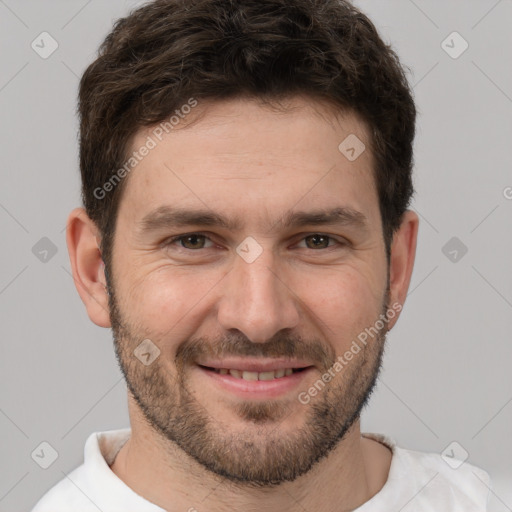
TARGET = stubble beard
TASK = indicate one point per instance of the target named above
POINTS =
(260, 454)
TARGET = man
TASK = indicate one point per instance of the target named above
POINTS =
(246, 172)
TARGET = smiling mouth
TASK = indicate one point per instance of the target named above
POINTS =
(253, 376)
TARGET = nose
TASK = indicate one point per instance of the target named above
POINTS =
(256, 300)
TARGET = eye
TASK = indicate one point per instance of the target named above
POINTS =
(319, 241)
(190, 241)
(196, 241)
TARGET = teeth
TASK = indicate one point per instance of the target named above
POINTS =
(240, 374)
(265, 375)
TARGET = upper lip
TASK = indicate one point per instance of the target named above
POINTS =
(255, 364)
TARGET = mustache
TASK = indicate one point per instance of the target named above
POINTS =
(237, 344)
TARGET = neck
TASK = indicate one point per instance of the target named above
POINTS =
(163, 474)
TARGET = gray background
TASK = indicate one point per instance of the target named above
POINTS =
(447, 375)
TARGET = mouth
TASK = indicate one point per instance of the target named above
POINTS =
(254, 375)
(255, 379)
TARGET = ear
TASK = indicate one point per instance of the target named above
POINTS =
(403, 252)
(87, 266)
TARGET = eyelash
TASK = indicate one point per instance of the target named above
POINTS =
(171, 241)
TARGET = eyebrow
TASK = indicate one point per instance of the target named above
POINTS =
(165, 217)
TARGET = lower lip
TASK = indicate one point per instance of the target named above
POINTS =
(257, 388)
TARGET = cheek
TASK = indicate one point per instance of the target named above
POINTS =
(343, 302)
(167, 300)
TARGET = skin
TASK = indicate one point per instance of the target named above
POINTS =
(242, 159)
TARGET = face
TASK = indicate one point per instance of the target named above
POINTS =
(249, 256)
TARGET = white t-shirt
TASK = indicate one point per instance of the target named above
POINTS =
(419, 482)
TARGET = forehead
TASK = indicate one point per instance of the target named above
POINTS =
(243, 157)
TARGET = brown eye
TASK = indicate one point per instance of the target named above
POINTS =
(317, 241)
(193, 241)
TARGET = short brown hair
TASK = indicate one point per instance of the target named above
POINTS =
(168, 51)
